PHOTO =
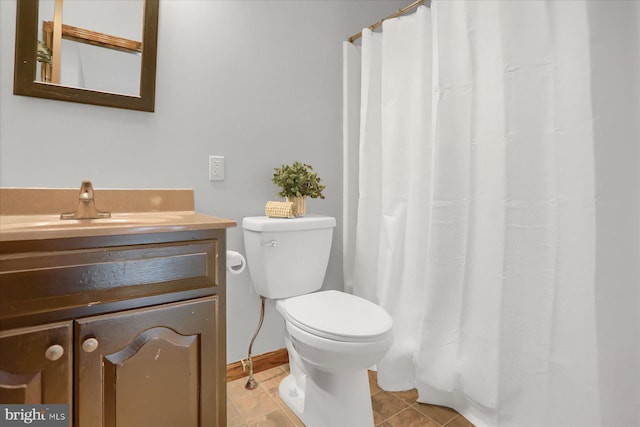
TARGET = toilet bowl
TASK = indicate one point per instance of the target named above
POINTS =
(332, 337)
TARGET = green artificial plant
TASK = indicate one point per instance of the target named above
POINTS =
(43, 53)
(298, 180)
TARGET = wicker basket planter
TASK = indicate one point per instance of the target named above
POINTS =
(299, 205)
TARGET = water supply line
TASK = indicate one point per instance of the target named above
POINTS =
(252, 384)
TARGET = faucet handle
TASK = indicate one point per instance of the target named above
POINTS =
(86, 191)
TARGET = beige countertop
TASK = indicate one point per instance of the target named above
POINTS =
(34, 214)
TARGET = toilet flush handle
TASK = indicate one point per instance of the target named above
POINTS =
(272, 243)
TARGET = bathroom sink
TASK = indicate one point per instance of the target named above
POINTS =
(33, 222)
(19, 227)
(35, 213)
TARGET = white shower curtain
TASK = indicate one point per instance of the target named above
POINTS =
(492, 203)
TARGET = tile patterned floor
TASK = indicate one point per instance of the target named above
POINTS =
(263, 407)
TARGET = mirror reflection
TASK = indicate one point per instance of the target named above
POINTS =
(93, 45)
(100, 52)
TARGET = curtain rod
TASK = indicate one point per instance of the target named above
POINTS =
(394, 15)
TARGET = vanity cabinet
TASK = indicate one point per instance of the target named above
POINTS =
(129, 330)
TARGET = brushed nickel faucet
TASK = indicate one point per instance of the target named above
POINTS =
(86, 205)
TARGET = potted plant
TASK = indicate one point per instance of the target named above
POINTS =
(296, 182)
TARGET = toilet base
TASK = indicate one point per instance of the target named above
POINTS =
(290, 395)
(330, 399)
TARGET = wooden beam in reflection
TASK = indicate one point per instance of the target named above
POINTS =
(56, 48)
(95, 38)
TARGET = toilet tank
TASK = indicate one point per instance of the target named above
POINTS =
(287, 257)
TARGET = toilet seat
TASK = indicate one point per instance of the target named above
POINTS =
(338, 316)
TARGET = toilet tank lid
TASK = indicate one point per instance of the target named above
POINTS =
(308, 222)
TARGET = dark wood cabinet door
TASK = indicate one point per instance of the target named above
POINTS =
(151, 367)
(35, 364)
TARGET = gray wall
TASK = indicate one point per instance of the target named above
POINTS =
(614, 60)
(258, 82)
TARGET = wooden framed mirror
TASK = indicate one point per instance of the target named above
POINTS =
(30, 77)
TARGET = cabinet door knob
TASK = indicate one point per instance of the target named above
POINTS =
(89, 345)
(54, 352)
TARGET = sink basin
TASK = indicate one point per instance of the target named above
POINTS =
(38, 227)
(49, 222)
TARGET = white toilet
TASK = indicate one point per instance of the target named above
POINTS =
(332, 337)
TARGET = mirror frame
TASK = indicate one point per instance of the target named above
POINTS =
(24, 74)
